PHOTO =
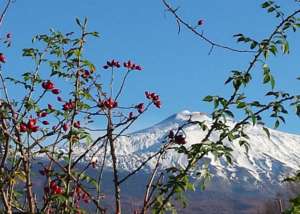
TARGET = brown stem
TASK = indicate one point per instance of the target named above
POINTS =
(7, 203)
(114, 163)
(149, 185)
(30, 196)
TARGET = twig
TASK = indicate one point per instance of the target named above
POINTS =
(213, 44)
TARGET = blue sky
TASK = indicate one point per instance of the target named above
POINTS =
(177, 67)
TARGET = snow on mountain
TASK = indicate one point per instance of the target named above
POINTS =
(267, 161)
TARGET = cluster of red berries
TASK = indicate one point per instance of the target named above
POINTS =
(30, 126)
(109, 103)
(178, 139)
(132, 66)
(55, 189)
(129, 65)
(154, 98)
(69, 105)
(140, 107)
(80, 195)
(48, 85)
(2, 58)
(112, 64)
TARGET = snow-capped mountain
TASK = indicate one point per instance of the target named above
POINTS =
(268, 160)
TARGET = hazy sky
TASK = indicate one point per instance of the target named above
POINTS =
(177, 67)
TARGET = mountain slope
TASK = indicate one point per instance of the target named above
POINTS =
(267, 161)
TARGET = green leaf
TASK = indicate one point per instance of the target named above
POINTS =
(253, 45)
(267, 132)
(241, 105)
(272, 80)
(228, 159)
(285, 47)
(229, 113)
(96, 34)
(266, 4)
(254, 119)
(216, 102)
(245, 144)
(208, 99)
(298, 110)
(277, 123)
(78, 22)
(271, 9)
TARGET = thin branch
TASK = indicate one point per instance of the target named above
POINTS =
(213, 44)
(5, 11)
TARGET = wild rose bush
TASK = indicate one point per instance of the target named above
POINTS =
(58, 110)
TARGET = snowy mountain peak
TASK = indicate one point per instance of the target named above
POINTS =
(187, 115)
(267, 161)
(175, 121)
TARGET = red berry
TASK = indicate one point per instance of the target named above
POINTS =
(171, 134)
(58, 190)
(48, 85)
(130, 116)
(23, 127)
(77, 124)
(140, 107)
(50, 107)
(201, 22)
(34, 129)
(43, 114)
(85, 74)
(139, 68)
(157, 103)
(110, 103)
(179, 139)
(2, 58)
(52, 185)
(45, 122)
(147, 94)
(31, 123)
(55, 91)
(65, 127)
